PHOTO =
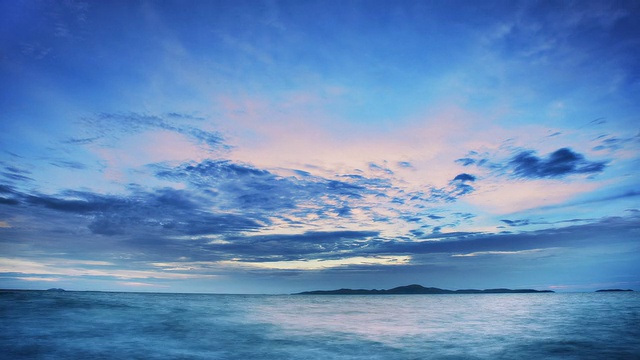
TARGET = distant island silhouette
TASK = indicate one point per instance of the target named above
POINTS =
(612, 290)
(419, 290)
(56, 290)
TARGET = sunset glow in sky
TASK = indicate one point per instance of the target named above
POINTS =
(282, 146)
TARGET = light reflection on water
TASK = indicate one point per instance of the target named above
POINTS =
(40, 325)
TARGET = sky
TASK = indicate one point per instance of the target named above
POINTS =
(283, 146)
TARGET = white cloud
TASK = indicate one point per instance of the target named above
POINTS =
(58, 267)
(481, 253)
(319, 264)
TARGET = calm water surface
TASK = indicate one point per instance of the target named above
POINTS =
(93, 325)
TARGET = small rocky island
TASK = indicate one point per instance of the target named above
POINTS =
(419, 290)
(612, 290)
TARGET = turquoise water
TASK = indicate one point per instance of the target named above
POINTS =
(93, 325)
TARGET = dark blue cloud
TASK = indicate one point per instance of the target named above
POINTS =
(344, 211)
(302, 172)
(521, 222)
(376, 167)
(109, 226)
(613, 143)
(151, 226)
(321, 244)
(7, 189)
(464, 177)
(74, 165)
(209, 170)
(238, 186)
(9, 195)
(163, 211)
(472, 158)
(466, 161)
(560, 163)
(81, 203)
(81, 141)
(459, 186)
(367, 183)
(608, 198)
(595, 234)
(8, 201)
(464, 216)
(208, 224)
(242, 186)
(344, 188)
(14, 174)
(417, 232)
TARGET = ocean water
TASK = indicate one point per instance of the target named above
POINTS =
(95, 325)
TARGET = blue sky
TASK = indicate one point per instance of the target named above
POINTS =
(282, 146)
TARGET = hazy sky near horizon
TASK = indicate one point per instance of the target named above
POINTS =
(281, 146)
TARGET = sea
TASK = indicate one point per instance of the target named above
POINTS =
(104, 325)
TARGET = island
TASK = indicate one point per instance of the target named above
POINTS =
(56, 290)
(612, 290)
(419, 290)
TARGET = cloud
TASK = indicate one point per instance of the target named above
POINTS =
(480, 253)
(15, 174)
(209, 171)
(466, 161)
(457, 188)
(464, 177)
(522, 222)
(79, 202)
(81, 141)
(219, 198)
(607, 231)
(141, 284)
(595, 200)
(8, 201)
(513, 179)
(299, 200)
(113, 125)
(74, 165)
(164, 210)
(10, 196)
(60, 267)
(322, 264)
(236, 186)
(381, 168)
(560, 163)
(614, 143)
(282, 247)
(110, 226)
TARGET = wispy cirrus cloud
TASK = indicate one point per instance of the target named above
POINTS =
(109, 125)
(482, 253)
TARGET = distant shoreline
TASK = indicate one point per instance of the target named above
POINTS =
(401, 290)
(419, 290)
(614, 290)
